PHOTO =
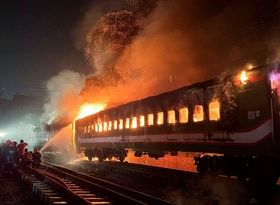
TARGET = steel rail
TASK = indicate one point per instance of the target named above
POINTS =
(118, 193)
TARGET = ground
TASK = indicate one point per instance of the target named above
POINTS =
(14, 192)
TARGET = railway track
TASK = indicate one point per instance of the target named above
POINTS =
(55, 184)
(186, 188)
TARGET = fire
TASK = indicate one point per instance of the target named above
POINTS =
(134, 122)
(89, 109)
(244, 77)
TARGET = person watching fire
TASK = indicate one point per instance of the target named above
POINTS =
(20, 150)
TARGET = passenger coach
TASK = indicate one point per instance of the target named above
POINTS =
(234, 117)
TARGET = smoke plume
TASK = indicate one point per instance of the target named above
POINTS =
(178, 43)
(63, 96)
(142, 48)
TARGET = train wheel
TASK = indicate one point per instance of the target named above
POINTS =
(100, 156)
(122, 155)
(121, 158)
(202, 165)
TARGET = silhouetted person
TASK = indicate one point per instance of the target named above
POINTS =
(27, 159)
(20, 150)
(36, 158)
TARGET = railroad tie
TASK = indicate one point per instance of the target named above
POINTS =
(46, 191)
(39, 186)
(86, 195)
(81, 192)
(53, 199)
(46, 196)
(59, 202)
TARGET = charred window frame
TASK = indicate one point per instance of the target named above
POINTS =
(110, 125)
(105, 126)
(120, 124)
(134, 122)
(183, 115)
(198, 113)
(214, 109)
(100, 127)
(150, 120)
(171, 117)
(127, 123)
(160, 118)
(142, 121)
(115, 124)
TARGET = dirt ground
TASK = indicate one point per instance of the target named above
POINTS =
(14, 192)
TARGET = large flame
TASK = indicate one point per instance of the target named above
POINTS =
(89, 109)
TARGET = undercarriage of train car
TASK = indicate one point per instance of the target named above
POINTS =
(105, 153)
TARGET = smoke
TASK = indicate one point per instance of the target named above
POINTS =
(63, 96)
(142, 48)
(61, 144)
(21, 128)
(178, 43)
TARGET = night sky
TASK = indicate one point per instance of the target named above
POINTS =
(36, 42)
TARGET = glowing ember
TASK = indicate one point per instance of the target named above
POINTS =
(89, 109)
(249, 66)
(243, 77)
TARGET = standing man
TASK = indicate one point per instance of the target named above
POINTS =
(36, 158)
(20, 150)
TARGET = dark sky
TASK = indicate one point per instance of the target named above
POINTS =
(36, 43)
(36, 40)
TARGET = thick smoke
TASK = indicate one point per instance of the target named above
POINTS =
(63, 96)
(182, 42)
(141, 48)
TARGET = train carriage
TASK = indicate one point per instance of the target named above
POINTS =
(235, 116)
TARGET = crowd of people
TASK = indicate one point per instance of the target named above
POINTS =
(14, 154)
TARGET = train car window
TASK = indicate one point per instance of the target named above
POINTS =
(110, 125)
(214, 110)
(183, 115)
(85, 130)
(105, 126)
(121, 124)
(160, 118)
(171, 117)
(100, 126)
(115, 124)
(92, 127)
(142, 120)
(134, 122)
(151, 119)
(88, 129)
(96, 127)
(127, 123)
(198, 113)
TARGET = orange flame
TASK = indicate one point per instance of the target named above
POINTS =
(89, 109)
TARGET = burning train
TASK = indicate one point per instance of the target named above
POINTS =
(236, 117)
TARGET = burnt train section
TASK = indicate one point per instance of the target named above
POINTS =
(236, 117)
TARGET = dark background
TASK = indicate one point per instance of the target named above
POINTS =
(36, 42)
